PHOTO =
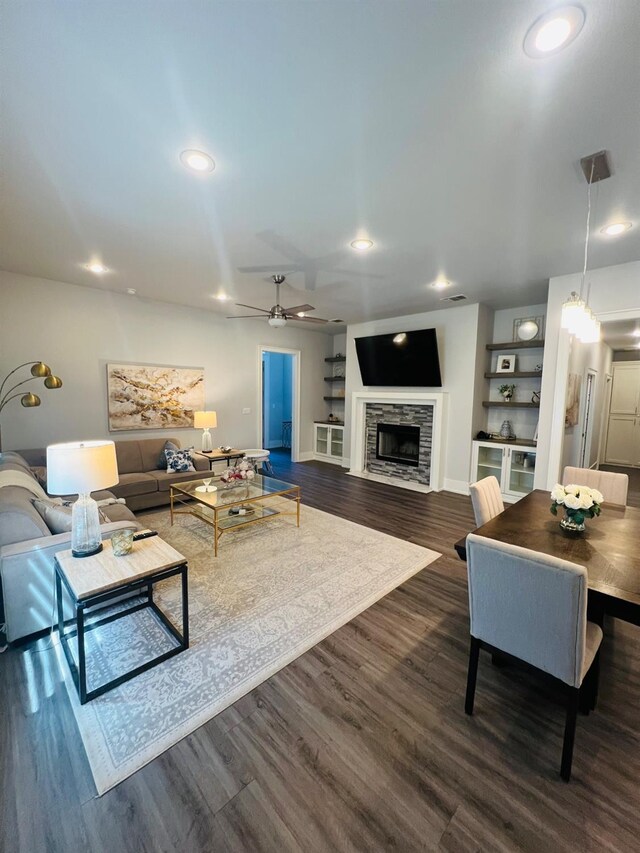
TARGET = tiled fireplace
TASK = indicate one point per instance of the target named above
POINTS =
(398, 443)
(398, 437)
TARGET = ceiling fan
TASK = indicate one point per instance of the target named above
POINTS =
(277, 315)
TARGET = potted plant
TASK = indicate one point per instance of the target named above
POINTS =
(578, 502)
(507, 392)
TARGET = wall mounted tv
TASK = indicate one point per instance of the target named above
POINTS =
(401, 358)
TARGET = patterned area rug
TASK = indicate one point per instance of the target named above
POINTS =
(273, 592)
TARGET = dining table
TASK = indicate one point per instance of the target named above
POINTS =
(609, 549)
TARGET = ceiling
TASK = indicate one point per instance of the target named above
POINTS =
(420, 124)
(619, 334)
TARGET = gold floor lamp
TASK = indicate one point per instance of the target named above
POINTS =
(39, 370)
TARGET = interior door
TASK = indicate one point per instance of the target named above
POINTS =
(622, 440)
(626, 388)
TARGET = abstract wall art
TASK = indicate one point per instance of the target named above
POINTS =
(572, 410)
(147, 396)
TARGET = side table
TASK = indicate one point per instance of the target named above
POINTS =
(94, 582)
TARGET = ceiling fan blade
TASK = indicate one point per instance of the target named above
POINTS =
(307, 320)
(297, 308)
(247, 317)
(283, 245)
(271, 267)
(253, 307)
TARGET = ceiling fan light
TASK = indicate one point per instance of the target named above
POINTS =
(277, 322)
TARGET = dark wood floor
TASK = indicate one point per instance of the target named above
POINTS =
(360, 744)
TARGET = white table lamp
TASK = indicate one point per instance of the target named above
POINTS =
(81, 467)
(205, 421)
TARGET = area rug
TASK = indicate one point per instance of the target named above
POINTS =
(274, 591)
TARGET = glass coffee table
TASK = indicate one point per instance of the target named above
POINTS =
(227, 509)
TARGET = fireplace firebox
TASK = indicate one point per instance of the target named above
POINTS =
(398, 443)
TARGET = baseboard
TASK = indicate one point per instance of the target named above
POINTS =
(460, 487)
(346, 463)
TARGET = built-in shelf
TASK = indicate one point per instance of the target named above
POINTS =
(336, 359)
(334, 379)
(518, 374)
(516, 345)
(495, 404)
(335, 398)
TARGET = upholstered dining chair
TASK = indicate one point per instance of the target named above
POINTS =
(486, 499)
(533, 607)
(614, 487)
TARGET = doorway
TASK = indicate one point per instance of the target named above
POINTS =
(587, 421)
(278, 403)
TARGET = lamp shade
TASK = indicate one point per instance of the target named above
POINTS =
(81, 467)
(205, 420)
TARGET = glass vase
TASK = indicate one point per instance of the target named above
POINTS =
(570, 524)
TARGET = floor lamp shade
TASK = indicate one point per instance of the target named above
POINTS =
(80, 468)
(205, 421)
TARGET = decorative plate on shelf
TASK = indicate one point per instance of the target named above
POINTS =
(528, 328)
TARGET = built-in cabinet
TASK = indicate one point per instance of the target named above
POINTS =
(512, 464)
(328, 442)
(623, 432)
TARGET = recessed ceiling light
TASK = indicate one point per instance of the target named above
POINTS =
(361, 244)
(440, 283)
(615, 228)
(221, 297)
(96, 268)
(131, 291)
(197, 161)
(553, 31)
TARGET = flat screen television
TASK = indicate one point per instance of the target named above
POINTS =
(401, 358)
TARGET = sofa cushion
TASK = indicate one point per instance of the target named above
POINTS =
(129, 458)
(162, 459)
(19, 519)
(134, 484)
(57, 514)
(118, 512)
(13, 458)
(179, 460)
(166, 478)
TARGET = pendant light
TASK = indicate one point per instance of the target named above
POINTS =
(577, 318)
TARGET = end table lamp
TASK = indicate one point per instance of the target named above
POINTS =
(82, 467)
(205, 421)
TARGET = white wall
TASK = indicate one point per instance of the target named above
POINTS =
(77, 330)
(457, 332)
(615, 293)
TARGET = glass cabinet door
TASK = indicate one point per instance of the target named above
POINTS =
(322, 440)
(336, 442)
(489, 461)
(522, 468)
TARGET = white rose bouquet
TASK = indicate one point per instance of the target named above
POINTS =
(579, 502)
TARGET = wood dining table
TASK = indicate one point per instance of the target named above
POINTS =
(609, 549)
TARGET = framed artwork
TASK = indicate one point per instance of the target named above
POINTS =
(572, 409)
(528, 328)
(148, 396)
(506, 364)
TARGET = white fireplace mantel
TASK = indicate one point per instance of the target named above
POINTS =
(438, 400)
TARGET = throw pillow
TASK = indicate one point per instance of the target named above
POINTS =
(179, 460)
(56, 514)
(162, 461)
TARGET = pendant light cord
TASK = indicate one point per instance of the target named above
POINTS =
(586, 242)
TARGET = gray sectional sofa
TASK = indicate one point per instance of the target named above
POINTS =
(27, 546)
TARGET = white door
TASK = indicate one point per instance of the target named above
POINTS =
(587, 420)
(626, 388)
(623, 445)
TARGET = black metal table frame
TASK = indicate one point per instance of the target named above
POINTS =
(228, 457)
(79, 672)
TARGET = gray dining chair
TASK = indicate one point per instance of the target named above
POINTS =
(486, 499)
(614, 487)
(533, 607)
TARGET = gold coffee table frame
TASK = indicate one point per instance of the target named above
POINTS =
(213, 507)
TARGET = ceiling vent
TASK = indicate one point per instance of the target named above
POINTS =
(457, 298)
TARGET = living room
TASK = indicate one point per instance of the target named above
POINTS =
(261, 633)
